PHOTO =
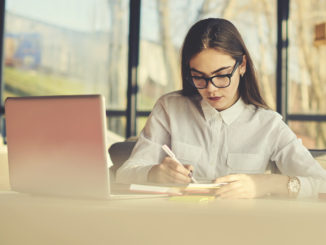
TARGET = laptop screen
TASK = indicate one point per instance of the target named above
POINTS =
(57, 145)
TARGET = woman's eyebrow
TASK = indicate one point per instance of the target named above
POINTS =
(216, 71)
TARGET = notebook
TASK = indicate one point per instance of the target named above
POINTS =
(57, 146)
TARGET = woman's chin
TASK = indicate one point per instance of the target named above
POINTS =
(218, 105)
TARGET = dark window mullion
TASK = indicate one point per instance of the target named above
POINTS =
(303, 117)
(282, 57)
(2, 30)
(133, 57)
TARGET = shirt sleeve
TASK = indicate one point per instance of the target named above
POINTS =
(294, 159)
(147, 151)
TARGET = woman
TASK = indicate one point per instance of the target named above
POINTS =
(220, 128)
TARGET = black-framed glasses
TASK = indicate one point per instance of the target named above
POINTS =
(219, 81)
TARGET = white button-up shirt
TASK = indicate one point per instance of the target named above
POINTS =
(240, 139)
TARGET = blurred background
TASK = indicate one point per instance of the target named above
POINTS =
(129, 51)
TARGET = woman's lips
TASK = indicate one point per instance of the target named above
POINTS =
(216, 98)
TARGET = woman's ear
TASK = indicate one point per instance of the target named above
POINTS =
(243, 65)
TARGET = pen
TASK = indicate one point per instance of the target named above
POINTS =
(171, 154)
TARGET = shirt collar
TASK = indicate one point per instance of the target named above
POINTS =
(228, 115)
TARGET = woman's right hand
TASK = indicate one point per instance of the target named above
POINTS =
(170, 171)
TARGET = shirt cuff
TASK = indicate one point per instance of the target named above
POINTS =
(311, 187)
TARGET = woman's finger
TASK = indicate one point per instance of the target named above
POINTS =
(167, 172)
(170, 171)
(189, 167)
(168, 178)
(228, 178)
(178, 177)
(174, 165)
(228, 188)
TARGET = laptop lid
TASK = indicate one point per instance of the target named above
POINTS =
(57, 145)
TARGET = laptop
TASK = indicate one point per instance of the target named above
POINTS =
(57, 146)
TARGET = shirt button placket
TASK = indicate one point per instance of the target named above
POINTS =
(216, 134)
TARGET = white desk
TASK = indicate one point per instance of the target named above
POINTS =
(39, 220)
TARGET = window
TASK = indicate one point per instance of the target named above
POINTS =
(67, 47)
(81, 46)
(307, 74)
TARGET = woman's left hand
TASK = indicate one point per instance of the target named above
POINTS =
(243, 186)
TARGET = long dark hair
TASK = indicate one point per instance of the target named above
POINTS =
(222, 35)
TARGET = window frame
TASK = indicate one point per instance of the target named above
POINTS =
(131, 113)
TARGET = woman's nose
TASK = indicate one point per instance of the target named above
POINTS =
(211, 87)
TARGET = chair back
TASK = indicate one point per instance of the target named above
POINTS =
(119, 153)
(317, 153)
